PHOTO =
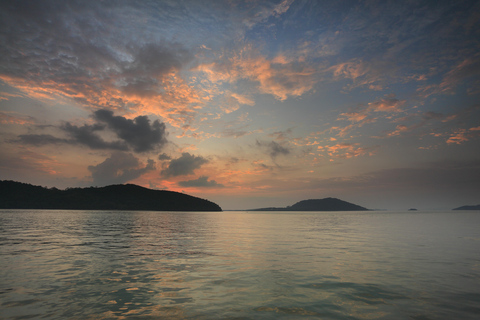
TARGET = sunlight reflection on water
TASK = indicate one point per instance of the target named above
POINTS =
(242, 265)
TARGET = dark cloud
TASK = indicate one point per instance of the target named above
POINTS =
(184, 165)
(86, 135)
(120, 168)
(137, 133)
(164, 156)
(40, 139)
(274, 148)
(201, 182)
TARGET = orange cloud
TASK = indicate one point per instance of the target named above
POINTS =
(354, 116)
(400, 129)
(280, 77)
(15, 118)
(175, 101)
(243, 99)
(347, 150)
(369, 114)
(351, 69)
(458, 137)
(389, 104)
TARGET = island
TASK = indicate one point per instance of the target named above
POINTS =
(17, 195)
(477, 207)
(326, 204)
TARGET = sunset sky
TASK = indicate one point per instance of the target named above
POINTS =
(246, 103)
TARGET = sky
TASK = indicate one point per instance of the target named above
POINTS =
(246, 103)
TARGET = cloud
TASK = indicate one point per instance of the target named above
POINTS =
(152, 64)
(352, 69)
(460, 136)
(264, 10)
(40, 139)
(81, 52)
(227, 133)
(164, 156)
(274, 148)
(27, 164)
(427, 120)
(86, 135)
(201, 182)
(466, 69)
(15, 118)
(347, 150)
(369, 113)
(137, 133)
(389, 104)
(281, 135)
(281, 80)
(242, 99)
(184, 165)
(120, 168)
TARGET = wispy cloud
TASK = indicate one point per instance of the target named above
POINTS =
(468, 69)
(369, 113)
(265, 10)
(16, 118)
(274, 149)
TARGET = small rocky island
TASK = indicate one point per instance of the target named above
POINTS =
(477, 207)
(326, 204)
(17, 195)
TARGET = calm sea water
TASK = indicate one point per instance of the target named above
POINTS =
(239, 265)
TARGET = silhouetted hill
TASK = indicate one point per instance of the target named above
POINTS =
(17, 195)
(477, 207)
(327, 204)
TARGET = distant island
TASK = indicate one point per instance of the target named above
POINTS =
(17, 195)
(326, 204)
(477, 207)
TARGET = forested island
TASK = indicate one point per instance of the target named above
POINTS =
(17, 195)
(477, 207)
(326, 204)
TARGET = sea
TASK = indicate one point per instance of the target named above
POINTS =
(57, 264)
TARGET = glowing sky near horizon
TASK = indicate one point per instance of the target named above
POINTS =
(246, 103)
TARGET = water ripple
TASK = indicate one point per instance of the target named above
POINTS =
(237, 265)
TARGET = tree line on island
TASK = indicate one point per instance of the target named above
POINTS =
(18, 195)
(327, 204)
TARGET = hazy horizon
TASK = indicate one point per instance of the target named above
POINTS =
(248, 104)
